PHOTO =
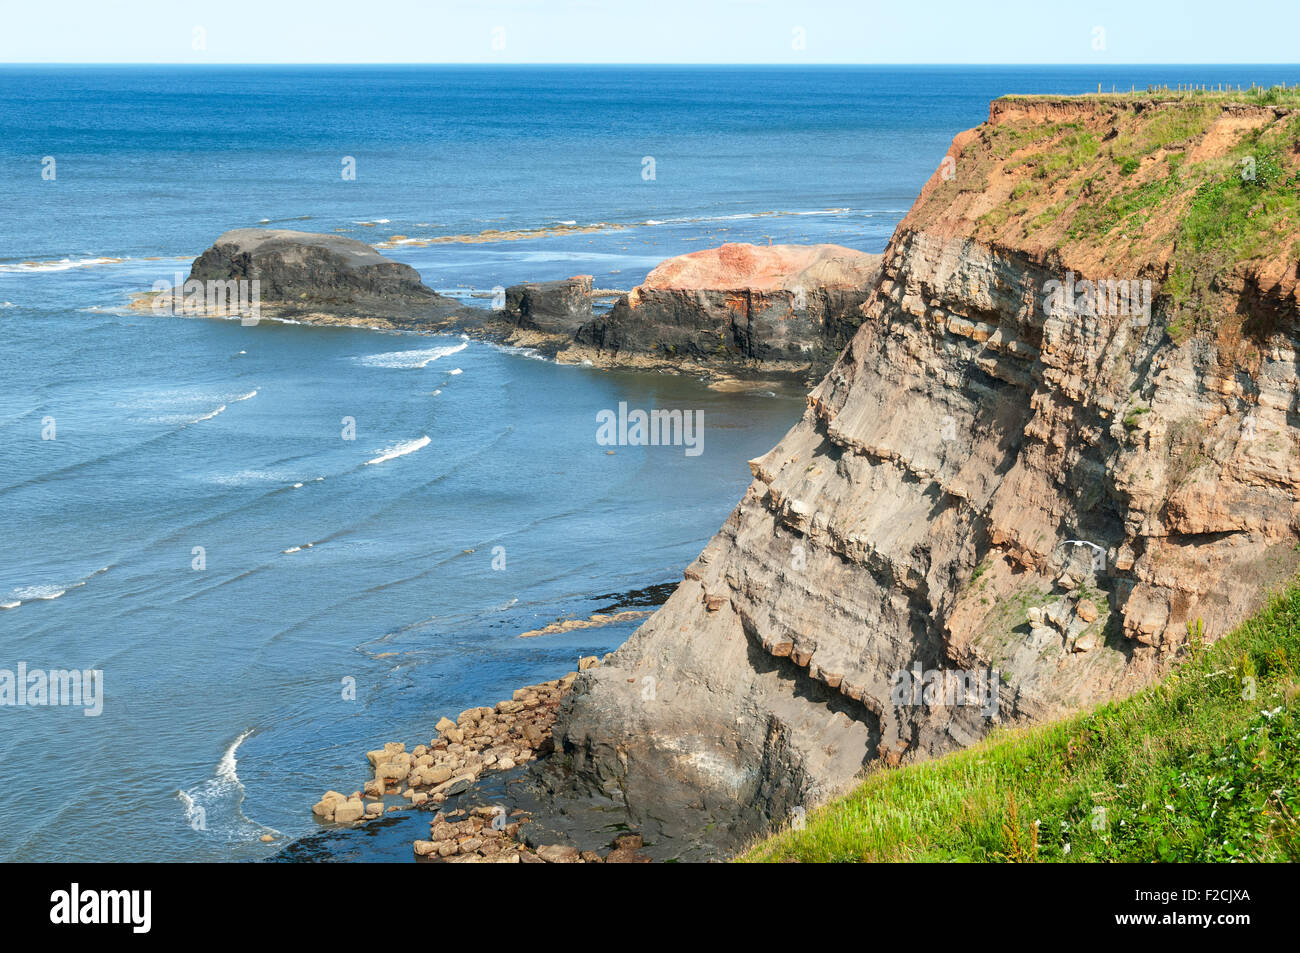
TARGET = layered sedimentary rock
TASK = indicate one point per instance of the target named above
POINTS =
(1015, 467)
(782, 307)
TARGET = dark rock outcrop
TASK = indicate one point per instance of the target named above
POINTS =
(321, 273)
(552, 307)
(724, 312)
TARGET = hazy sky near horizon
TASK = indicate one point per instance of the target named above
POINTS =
(649, 31)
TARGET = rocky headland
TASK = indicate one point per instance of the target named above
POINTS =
(1059, 454)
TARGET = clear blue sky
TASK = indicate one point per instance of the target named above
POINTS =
(649, 31)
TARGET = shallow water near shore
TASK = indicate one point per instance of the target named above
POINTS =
(271, 590)
(328, 564)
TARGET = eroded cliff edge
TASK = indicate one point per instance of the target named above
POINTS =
(991, 477)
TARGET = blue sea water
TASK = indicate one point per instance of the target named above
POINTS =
(225, 686)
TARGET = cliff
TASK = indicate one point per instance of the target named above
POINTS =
(1029, 469)
(782, 308)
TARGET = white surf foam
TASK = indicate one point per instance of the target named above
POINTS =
(63, 264)
(399, 450)
(35, 593)
(20, 594)
(215, 806)
(219, 410)
(411, 359)
(234, 400)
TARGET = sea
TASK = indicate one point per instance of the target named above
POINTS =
(282, 545)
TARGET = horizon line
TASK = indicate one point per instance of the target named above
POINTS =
(951, 63)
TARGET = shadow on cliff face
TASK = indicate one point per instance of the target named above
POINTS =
(585, 792)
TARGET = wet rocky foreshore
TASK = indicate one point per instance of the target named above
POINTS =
(478, 742)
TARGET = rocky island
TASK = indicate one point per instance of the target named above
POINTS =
(314, 278)
(779, 308)
(783, 310)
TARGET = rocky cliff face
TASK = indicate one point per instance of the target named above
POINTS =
(1003, 472)
(784, 308)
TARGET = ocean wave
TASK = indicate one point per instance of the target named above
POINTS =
(62, 264)
(180, 418)
(46, 593)
(528, 352)
(410, 360)
(37, 593)
(214, 413)
(216, 805)
(251, 477)
(399, 450)
(178, 398)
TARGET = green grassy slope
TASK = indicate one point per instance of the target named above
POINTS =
(1203, 767)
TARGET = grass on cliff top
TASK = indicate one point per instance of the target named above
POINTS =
(1250, 95)
(1132, 185)
(1203, 767)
